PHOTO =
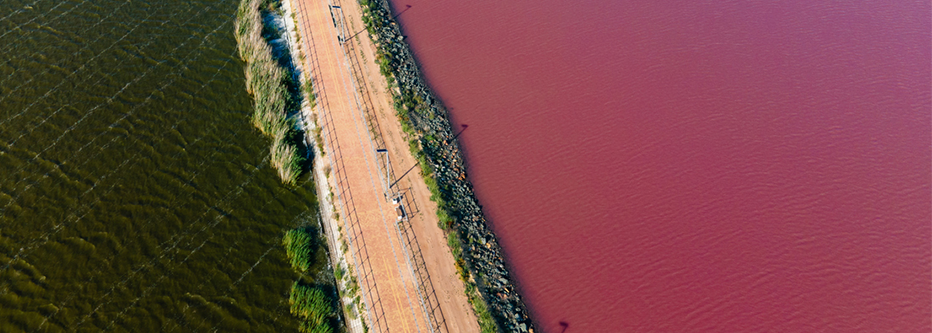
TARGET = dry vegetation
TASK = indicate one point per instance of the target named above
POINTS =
(268, 83)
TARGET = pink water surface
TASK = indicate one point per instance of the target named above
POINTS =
(697, 166)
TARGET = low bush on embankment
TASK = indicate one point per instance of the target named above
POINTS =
(478, 256)
(271, 87)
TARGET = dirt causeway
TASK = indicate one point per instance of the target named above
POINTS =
(406, 270)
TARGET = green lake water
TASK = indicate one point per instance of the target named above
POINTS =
(135, 195)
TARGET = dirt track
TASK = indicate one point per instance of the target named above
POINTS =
(406, 270)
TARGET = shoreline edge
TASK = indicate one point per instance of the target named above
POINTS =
(490, 288)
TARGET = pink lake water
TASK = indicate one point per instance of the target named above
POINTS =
(700, 166)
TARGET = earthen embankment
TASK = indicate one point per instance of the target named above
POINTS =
(479, 257)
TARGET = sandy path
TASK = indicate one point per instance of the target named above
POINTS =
(407, 270)
(378, 257)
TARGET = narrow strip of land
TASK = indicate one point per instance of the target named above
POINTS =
(405, 270)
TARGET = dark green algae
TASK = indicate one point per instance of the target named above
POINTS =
(135, 194)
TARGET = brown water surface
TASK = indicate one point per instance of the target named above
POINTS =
(135, 194)
(717, 166)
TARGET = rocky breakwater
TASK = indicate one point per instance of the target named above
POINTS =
(478, 256)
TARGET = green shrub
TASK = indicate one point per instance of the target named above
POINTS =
(338, 273)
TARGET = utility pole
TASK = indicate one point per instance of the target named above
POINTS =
(393, 17)
(386, 177)
(415, 164)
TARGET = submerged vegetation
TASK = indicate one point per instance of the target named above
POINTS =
(271, 86)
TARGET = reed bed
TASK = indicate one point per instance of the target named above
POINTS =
(268, 82)
(299, 245)
(313, 306)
